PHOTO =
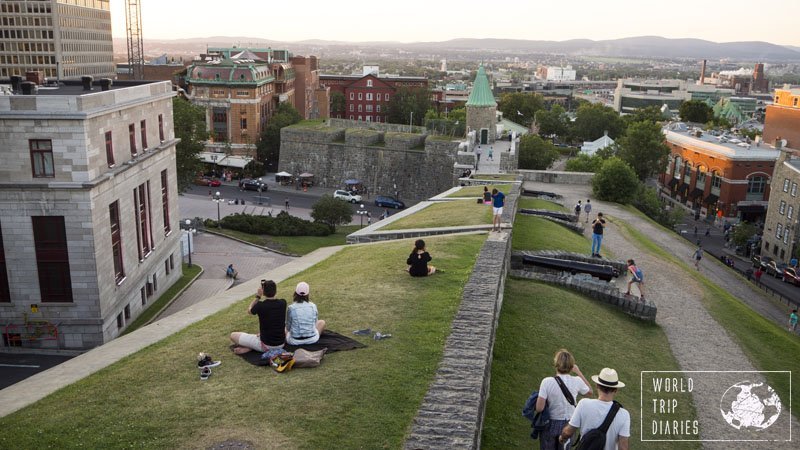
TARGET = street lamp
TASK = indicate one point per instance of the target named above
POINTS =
(189, 231)
(218, 200)
(361, 213)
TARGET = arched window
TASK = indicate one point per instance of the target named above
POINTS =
(369, 83)
(716, 183)
(687, 172)
(756, 185)
(677, 170)
(701, 177)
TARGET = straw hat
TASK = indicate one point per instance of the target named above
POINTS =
(608, 378)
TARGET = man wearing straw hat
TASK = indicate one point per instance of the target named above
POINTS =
(590, 413)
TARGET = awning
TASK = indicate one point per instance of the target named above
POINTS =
(352, 181)
(237, 162)
(697, 192)
(711, 199)
(673, 182)
(306, 175)
(211, 157)
(283, 174)
(751, 208)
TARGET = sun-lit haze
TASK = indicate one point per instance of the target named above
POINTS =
(420, 20)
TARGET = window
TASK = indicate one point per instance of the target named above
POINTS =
(144, 238)
(369, 108)
(790, 213)
(369, 96)
(351, 96)
(5, 295)
(785, 237)
(351, 107)
(120, 321)
(786, 185)
(42, 158)
(782, 208)
(143, 294)
(116, 242)
(755, 187)
(155, 283)
(109, 150)
(360, 96)
(794, 189)
(166, 266)
(360, 108)
(387, 97)
(377, 108)
(52, 258)
(351, 117)
(143, 124)
(127, 312)
(701, 178)
(165, 201)
(716, 181)
(132, 138)
(161, 127)
(379, 96)
(677, 171)
(171, 263)
(369, 84)
(779, 231)
(243, 123)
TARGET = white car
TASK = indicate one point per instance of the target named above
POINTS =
(347, 196)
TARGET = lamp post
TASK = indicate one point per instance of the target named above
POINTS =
(189, 239)
(218, 200)
(361, 213)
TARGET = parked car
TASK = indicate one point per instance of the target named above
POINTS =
(389, 202)
(248, 184)
(775, 268)
(761, 261)
(347, 196)
(207, 181)
(791, 275)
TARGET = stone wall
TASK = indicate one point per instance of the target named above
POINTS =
(549, 176)
(483, 117)
(509, 161)
(414, 166)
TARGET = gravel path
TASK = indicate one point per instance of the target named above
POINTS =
(696, 339)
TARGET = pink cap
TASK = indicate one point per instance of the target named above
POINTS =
(302, 288)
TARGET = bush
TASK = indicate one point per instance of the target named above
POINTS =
(648, 202)
(281, 225)
(332, 212)
(615, 182)
(584, 163)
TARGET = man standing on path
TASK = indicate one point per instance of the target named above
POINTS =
(287, 204)
(590, 413)
(498, 200)
(588, 209)
(598, 225)
(698, 255)
(490, 154)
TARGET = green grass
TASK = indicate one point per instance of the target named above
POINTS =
(445, 214)
(535, 203)
(535, 322)
(536, 233)
(495, 176)
(364, 398)
(295, 245)
(766, 344)
(477, 191)
(188, 275)
(311, 123)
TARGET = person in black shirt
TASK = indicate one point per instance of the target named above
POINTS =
(271, 314)
(418, 261)
(598, 225)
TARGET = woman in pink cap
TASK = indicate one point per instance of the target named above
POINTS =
(302, 319)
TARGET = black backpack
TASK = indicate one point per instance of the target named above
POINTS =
(596, 439)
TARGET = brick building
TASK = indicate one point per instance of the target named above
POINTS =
(89, 232)
(310, 99)
(366, 96)
(783, 118)
(709, 174)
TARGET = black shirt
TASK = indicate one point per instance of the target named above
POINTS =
(271, 320)
(418, 263)
(597, 226)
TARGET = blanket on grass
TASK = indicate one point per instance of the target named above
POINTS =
(331, 340)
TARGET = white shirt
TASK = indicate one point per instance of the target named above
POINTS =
(557, 404)
(591, 413)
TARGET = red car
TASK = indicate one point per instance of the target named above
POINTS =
(205, 181)
(791, 275)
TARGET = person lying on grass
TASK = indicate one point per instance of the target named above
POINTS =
(418, 261)
(271, 314)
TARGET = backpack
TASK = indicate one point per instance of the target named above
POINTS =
(639, 273)
(595, 439)
(577, 208)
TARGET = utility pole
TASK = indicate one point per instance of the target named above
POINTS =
(133, 24)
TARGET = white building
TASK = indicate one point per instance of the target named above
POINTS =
(553, 73)
(590, 148)
(89, 232)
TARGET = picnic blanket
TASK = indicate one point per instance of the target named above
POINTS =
(331, 340)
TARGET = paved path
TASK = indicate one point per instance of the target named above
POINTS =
(214, 253)
(486, 165)
(697, 341)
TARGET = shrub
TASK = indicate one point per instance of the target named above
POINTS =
(281, 225)
(615, 182)
(584, 163)
(332, 212)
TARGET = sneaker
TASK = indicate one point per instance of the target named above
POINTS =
(205, 372)
(364, 332)
(204, 360)
(378, 336)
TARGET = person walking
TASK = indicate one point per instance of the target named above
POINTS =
(490, 154)
(758, 274)
(498, 200)
(793, 321)
(578, 211)
(558, 394)
(698, 255)
(591, 414)
(598, 225)
(587, 209)
(286, 202)
(636, 277)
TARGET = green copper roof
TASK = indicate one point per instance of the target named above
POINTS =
(481, 94)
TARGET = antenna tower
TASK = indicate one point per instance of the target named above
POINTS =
(133, 23)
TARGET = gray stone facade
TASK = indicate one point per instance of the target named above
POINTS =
(81, 191)
(781, 230)
(483, 118)
(385, 157)
(552, 176)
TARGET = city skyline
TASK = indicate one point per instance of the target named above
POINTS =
(623, 18)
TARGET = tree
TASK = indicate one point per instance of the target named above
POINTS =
(594, 119)
(744, 231)
(269, 147)
(190, 127)
(521, 107)
(406, 101)
(554, 122)
(337, 103)
(332, 212)
(643, 148)
(696, 111)
(535, 153)
(649, 114)
(616, 181)
(584, 163)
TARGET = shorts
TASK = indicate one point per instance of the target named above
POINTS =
(634, 280)
(253, 342)
(497, 211)
(309, 340)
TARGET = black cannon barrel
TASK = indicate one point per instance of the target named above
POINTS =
(554, 214)
(532, 193)
(601, 271)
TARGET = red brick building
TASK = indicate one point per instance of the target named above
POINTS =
(710, 174)
(783, 118)
(366, 96)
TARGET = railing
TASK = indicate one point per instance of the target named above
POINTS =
(16, 334)
(767, 289)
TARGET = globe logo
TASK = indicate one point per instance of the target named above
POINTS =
(750, 405)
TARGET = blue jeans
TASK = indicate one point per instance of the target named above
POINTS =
(597, 239)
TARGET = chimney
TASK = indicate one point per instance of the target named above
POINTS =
(87, 83)
(15, 81)
(703, 73)
(105, 83)
(35, 76)
(28, 88)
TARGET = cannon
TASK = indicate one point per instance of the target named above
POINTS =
(601, 271)
(532, 193)
(567, 217)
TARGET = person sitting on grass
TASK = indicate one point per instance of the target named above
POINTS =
(418, 261)
(303, 326)
(271, 314)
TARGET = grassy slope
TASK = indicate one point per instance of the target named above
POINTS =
(446, 214)
(477, 191)
(536, 203)
(357, 399)
(188, 275)
(535, 233)
(295, 245)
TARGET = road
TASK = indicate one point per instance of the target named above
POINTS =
(15, 367)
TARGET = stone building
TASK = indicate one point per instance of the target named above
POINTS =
(783, 118)
(482, 110)
(781, 230)
(59, 38)
(89, 232)
(386, 158)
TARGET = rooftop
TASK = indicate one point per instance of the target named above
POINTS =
(359, 76)
(727, 145)
(481, 95)
(75, 87)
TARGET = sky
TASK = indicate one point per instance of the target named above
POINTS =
(439, 20)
